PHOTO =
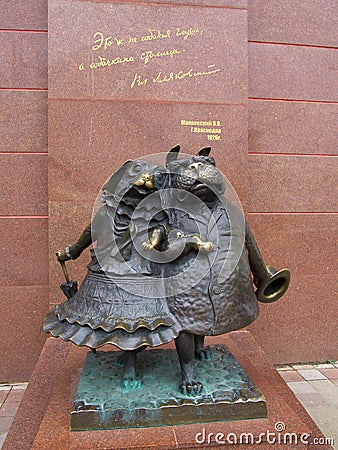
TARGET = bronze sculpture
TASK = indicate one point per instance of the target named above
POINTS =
(215, 305)
(163, 238)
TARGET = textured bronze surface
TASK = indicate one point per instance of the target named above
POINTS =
(299, 129)
(129, 300)
(102, 403)
(140, 77)
(275, 287)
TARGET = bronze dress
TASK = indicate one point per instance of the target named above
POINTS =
(121, 300)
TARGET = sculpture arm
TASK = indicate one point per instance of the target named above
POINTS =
(157, 235)
(256, 262)
(197, 243)
(75, 250)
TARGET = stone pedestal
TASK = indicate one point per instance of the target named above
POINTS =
(43, 419)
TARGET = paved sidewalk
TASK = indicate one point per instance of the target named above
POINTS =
(10, 398)
(315, 385)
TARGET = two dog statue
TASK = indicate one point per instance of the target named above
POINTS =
(173, 260)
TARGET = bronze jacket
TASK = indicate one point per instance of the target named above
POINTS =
(218, 294)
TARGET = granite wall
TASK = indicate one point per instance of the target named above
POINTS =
(24, 196)
(277, 147)
(292, 150)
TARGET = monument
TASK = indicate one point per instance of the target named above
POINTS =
(141, 77)
(174, 261)
(128, 79)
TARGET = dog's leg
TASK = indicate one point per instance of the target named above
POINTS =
(185, 349)
(201, 352)
(130, 381)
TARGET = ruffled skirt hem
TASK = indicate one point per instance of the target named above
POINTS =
(103, 303)
(84, 335)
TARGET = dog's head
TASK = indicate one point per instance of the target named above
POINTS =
(142, 175)
(134, 180)
(196, 174)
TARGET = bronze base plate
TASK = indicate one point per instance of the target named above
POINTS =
(103, 403)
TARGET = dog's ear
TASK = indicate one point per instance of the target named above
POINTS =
(205, 151)
(172, 154)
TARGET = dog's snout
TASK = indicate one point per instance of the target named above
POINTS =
(195, 166)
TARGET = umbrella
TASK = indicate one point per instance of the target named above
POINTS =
(69, 288)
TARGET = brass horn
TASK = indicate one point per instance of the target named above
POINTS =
(275, 286)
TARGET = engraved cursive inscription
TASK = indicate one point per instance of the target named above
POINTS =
(162, 78)
(105, 62)
(181, 74)
(191, 32)
(150, 54)
(156, 34)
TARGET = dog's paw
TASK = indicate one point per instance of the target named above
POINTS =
(129, 384)
(206, 246)
(191, 388)
(147, 246)
(203, 355)
(119, 360)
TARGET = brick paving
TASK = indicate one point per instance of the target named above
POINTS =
(315, 385)
(10, 397)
